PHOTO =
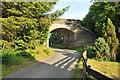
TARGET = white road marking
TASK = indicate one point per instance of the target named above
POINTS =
(67, 63)
(73, 65)
(62, 61)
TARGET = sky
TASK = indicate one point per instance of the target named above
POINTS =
(78, 8)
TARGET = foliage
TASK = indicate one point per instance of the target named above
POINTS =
(57, 46)
(48, 51)
(9, 58)
(25, 25)
(80, 50)
(101, 48)
(56, 40)
(23, 22)
(78, 72)
(90, 52)
(98, 14)
(25, 54)
(110, 37)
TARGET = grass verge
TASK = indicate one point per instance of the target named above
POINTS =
(7, 70)
(78, 73)
(42, 52)
(110, 69)
(23, 59)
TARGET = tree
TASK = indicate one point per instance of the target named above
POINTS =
(26, 21)
(110, 37)
(56, 40)
(101, 48)
(98, 14)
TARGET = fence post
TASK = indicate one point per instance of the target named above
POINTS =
(84, 64)
(89, 66)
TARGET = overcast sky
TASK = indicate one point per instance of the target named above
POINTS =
(78, 8)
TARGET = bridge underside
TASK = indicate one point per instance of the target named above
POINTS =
(68, 37)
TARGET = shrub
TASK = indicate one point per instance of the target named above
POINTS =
(9, 58)
(106, 58)
(4, 44)
(101, 48)
(34, 43)
(25, 54)
(34, 53)
(17, 60)
(80, 50)
(90, 52)
(48, 51)
(21, 45)
(57, 45)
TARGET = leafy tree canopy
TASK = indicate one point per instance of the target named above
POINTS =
(98, 14)
(28, 21)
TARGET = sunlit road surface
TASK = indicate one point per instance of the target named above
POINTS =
(60, 65)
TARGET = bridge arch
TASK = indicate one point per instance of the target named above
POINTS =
(68, 36)
(75, 34)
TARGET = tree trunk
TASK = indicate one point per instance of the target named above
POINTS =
(113, 55)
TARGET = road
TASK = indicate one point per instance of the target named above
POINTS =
(60, 65)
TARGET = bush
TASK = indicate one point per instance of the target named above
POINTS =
(101, 48)
(4, 44)
(90, 52)
(17, 60)
(9, 58)
(34, 43)
(25, 54)
(33, 53)
(106, 58)
(80, 50)
(48, 51)
(57, 45)
(21, 45)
